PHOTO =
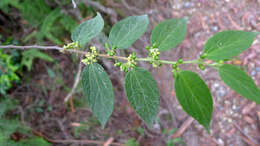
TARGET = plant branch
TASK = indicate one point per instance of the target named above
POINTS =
(74, 140)
(100, 7)
(74, 4)
(76, 82)
(31, 47)
(147, 59)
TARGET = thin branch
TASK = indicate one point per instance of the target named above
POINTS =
(76, 82)
(74, 4)
(147, 59)
(109, 141)
(131, 8)
(252, 141)
(183, 127)
(31, 47)
(74, 140)
(100, 7)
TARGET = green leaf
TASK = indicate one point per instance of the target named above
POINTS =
(127, 31)
(143, 95)
(98, 91)
(239, 81)
(227, 44)
(169, 33)
(88, 30)
(194, 97)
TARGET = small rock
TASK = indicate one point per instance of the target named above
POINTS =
(215, 85)
(215, 28)
(187, 5)
(221, 92)
(253, 73)
(257, 69)
(220, 141)
(230, 120)
(227, 102)
(234, 107)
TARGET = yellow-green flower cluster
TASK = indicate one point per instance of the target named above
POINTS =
(131, 63)
(154, 54)
(90, 56)
(111, 52)
(73, 45)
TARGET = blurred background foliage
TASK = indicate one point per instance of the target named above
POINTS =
(29, 22)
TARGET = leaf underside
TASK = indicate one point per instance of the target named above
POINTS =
(143, 95)
(88, 30)
(98, 91)
(169, 33)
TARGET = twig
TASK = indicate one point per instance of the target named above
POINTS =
(31, 47)
(233, 22)
(183, 127)
(202, 21)
(109, 141)
(148, 59)
(74, 4)
(62, 128)
(131, 8)
(74, 140)
(76, 82)
(108, 11)
(72, 105)
(250, 139)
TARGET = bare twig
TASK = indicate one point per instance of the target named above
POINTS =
(109, 141)
(76, 82)
(62, 128)
(183, 127)
(31, 47)
(74, 140)
(233, 22)
(72, 105)
(74, 4)
(249, 140)
(100, 7)
(130, 7)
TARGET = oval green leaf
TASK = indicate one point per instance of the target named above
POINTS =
(98, 91)
(240, 82)
(127, 31)
(194, 97)
(169, 33)
(143, 95)
(227, 44)
(88, 30)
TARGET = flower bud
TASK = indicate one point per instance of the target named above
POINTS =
(203, 56)
(148, 48)
(180, 61)
(201, 66)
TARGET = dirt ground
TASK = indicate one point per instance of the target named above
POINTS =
(235, 122)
